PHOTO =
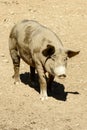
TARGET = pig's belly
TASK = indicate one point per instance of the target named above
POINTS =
(26, 56)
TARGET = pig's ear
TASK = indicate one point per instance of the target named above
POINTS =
(48, 51)
(71, 53)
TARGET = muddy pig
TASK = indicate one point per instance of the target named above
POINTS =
(40, 48)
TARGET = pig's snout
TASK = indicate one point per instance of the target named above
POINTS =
(60, 72)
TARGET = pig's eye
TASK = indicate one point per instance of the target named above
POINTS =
(53, 57)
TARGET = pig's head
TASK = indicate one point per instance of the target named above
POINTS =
(56, 60)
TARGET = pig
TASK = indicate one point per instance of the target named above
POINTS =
(40, 48)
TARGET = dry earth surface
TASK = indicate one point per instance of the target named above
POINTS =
(66, 107)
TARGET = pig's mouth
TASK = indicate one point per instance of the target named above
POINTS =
(62, 76)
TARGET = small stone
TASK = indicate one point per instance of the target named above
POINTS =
(30, 10)
(2, 55)
(12, 13)
(6, 61)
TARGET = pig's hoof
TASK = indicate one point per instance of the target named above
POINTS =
(17, 82)
(42, 98)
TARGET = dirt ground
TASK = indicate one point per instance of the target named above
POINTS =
(66, 107)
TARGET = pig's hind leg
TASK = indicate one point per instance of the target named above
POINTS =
(32, 73)
(16, 60)
(49, 82)
(16, 64)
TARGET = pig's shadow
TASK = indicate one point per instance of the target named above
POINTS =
(57, 92)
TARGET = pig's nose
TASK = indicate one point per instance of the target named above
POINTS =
(62, 76)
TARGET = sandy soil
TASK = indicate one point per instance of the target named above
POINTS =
(66, 107)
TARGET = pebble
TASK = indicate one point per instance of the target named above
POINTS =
(12, 13)
(2, 55)
(6, 61)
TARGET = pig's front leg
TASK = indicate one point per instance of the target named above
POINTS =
(43, 84)
(49, 83)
